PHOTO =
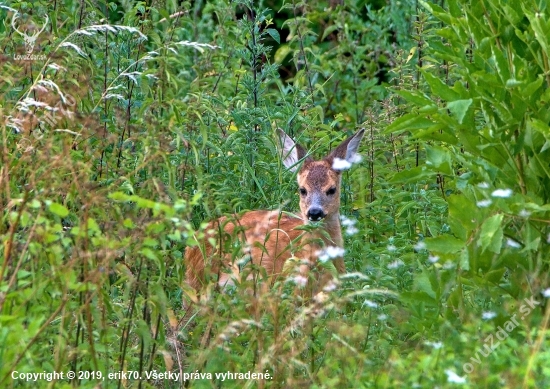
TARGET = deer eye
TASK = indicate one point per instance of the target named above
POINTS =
(303, 191)
(331, 191)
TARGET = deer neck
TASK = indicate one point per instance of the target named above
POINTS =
(331, 224)
(334, 229)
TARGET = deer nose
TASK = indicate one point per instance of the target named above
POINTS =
(315, 214)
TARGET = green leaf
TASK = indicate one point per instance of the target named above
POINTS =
(459, 108)
(439, 158)
(423, 283)
(416, 97)
(412, 175)
(444, 244)
(281, 53)
(411, 121)
(439, 88)
(495, 276)
(58, 209)
(491, 234)
(462, 215)
(464, 260)
(274, 34)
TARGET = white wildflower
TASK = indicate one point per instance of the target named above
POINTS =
(340, 164)
(420, 245)
(356, 158)
(321, 297)
(351, 230)
(395, 264)
(382, 317)
(546, 293)
(330, 286)
(300, 280)
(435, 345)
(448, 265)
(391, 247)
(454, 378)
(524, 213)
(503, 193)
(346, 221)
(370, 304)
(484, 203)
(512, 243)
(488, 315)
(330, 252)
(433, 258)
(483, 185)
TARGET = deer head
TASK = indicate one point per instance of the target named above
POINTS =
(319, 180)
(30, 40)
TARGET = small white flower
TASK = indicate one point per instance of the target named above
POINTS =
(420, 245)
(370, 304)
(435, 345)
(340, 164)
(346, 221)
(356, 158)
(330, 252)
(395, 264)
(454, 378)
(382, 317)
(483, 185)
(330, 286)
(546, 293)
(320, 297)
(448, 265)
(351, 230)
(484, 203)
(433, 258)
(503, 193)
(524, 213)
(488, 315)
(391, 247)
(300, 280)
(512, 243)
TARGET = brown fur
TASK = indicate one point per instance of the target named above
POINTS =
(270, 238)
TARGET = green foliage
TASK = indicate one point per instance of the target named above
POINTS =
(137, 122)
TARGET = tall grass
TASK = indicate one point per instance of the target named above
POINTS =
(148, 119)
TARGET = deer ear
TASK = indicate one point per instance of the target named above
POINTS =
(291, 152)
(345, 154)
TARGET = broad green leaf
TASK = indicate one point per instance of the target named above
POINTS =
(439, 88)
(58, 209)
(459, 108)
(439, 158)
(274, 34)
(282, 53)
(444, 244)
(412, 175)
(411, 121)
(463, 214)
(416, 97)
(464, 260)
(495, 276)
(423, 283)
(491, 234)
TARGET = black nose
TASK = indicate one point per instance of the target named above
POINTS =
(315, 214)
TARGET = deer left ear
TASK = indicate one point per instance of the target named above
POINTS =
(345, 154)
(292, 153)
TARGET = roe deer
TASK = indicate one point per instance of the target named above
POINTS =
(270, 238)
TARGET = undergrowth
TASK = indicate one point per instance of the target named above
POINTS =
(131, 124)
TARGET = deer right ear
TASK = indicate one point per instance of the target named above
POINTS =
(292, 153)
